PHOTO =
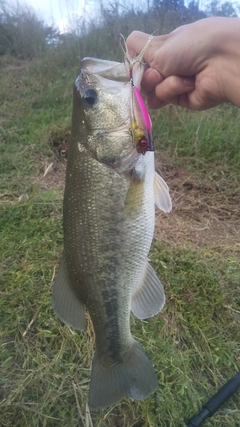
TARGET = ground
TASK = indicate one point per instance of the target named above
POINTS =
(204, 213)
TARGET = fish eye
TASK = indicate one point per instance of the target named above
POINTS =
(90, 97)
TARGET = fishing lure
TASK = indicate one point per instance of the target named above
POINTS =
(141, 125)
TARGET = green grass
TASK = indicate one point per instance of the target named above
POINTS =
(210, 135)
(193, 343)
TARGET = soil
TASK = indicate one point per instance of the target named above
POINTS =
(204, 213)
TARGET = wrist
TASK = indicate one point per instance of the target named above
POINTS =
(231, 62)
(224, 54)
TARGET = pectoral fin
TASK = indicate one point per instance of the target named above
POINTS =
(149, 297)
(161, 194)
(66, 305)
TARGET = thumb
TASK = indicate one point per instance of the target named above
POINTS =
(136, 42)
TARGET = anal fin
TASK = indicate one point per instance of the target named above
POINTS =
(149, 298)
(66, 305)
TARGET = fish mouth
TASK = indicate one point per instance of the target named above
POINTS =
(109, 70)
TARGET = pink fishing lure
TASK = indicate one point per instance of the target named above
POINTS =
(143, 110)
(141, 123)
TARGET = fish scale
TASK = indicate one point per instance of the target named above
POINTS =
(94, 237)
(108, 219)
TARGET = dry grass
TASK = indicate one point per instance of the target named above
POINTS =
(204, 213)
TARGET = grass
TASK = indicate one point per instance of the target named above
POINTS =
(193, 343)
(209, 135)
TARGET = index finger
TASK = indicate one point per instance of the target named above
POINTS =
(151, 78)
(136, 42)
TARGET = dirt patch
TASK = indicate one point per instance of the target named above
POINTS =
(53, 176)
(203, 213)
(52, 171)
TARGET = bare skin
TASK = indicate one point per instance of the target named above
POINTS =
(196, 66)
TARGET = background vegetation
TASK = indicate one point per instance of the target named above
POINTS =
(194, 342)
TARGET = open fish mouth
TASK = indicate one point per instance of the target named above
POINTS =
(109, 70)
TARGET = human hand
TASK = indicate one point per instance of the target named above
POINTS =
(196, 66)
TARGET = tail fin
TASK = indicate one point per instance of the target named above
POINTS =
(134, 377)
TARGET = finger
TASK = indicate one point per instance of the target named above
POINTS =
(150, 80)
(136, 41)
(154, 102)
(174, 86)
(181, 100)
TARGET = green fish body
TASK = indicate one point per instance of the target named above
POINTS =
(108, 218)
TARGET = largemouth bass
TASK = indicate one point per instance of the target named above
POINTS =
(108, 219)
